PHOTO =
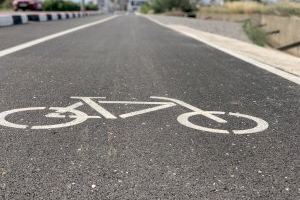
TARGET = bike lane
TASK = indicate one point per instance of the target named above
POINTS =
(149, 155)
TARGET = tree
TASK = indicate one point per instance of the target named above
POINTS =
(160, 6)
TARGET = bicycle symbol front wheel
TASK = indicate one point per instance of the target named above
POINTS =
(261, 125)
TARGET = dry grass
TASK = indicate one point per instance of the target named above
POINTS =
(284, 9)
(177, 13)
(243, 7)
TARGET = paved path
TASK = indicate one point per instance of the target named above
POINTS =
(142, 155)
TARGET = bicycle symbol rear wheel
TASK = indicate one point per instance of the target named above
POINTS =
(77, 118)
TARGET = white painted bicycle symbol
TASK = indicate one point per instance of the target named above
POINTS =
(78, 117)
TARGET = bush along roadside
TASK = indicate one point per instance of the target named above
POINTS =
(162, 6)
(59, 5)
(146, 8)
(255, 33)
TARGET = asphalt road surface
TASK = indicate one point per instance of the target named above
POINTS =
(141, 155)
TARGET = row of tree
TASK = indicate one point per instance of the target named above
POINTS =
(54, 5)
(62, 5)
(159, 6)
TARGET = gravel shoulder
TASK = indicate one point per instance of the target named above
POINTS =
(227, 29)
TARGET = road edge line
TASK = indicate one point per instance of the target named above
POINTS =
(269, 68)
(26, 45)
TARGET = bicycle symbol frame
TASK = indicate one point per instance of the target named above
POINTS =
(95, 103)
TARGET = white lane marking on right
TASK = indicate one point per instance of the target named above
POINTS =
(254, 62)
(50, 37)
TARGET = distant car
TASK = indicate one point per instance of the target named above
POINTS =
(27, 5)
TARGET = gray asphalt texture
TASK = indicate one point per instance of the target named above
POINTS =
(149, 156)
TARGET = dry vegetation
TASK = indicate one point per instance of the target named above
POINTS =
(5, 5)
(283, 9)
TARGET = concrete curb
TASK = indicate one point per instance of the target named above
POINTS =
(13, 19)
(9, 19)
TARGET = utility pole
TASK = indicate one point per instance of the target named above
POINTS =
(106, 6)
(82, 5)
(99, 2)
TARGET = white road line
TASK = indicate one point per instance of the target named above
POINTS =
(50, 37)
(254, 62)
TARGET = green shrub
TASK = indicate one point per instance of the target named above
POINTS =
(91, 6)
(145, 8)
(60, 5)
(255, 34)
(159, 6)
(186, 6)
